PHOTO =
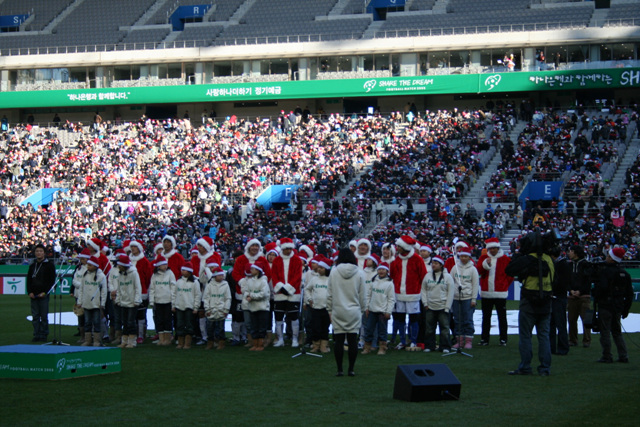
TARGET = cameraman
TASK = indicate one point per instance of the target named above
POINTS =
(535, 270)
(613, 294)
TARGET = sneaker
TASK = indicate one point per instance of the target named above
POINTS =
(279, 343)
(503, 343)
(294, 343)
(140, 340)
(201, 342)
(604, 360)
(360, 345)
(400, 346)
(427, 350)
(483, 343)
(445, 351)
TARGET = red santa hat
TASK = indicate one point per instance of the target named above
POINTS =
(307, 250)
(271, 247)
(86, 253)
(375, 258)
(217, 272)
(93, 260)
(257, 267)
(124, 260)
(125, 244)
(437, 259)
(206, 242)
(187, 267)
(251, 243)
(465, 251)
(95, 243)
(120, 252)
(383, 265)
(406, 242)
(461, 244)
(171, 239)
(194, 251)
(365, 242)
(104, 248)
(316, 259)
(157, 248)
(391, 248)
(286, 243)
(492, 243)
(325, 263)
(212, 262)
(617, 254)
(138, 244)
(160, 260)
(425, 247)
(353, 243)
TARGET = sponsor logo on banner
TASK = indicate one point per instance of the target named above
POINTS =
(14, 285)
(369, 85)
(492, 81)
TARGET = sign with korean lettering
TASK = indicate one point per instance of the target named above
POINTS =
(343, 88)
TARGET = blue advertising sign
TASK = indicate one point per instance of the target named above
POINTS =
(276, 194)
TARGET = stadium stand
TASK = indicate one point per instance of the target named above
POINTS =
(43, 11)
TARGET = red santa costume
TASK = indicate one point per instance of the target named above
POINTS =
(205, 250)
(174, 259)
(145, 270)
(96, 246)
(287, 284)
(494, 287)
(407, 272)
(451, 261)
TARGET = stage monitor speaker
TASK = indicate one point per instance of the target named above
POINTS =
(419, 383)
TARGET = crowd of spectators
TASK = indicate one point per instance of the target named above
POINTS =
(149, 178)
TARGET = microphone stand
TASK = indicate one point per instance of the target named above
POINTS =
(303, 351)
(57, 307)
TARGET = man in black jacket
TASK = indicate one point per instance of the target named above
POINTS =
(579, 295)
(558, 328)
(41, 277)
(613, 294)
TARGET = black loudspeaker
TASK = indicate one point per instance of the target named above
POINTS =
(419, 383)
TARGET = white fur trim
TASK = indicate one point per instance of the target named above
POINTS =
(171, 239)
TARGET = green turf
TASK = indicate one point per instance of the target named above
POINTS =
(165, 386)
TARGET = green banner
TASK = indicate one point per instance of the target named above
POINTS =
(419, 85)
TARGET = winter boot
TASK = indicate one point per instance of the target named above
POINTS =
(209, 345)
(295, 332)
(118, 339)
(367, 348)
(324, 346)
(458, 344)
(180, 343)
(87, 339)
(260, 346)
(468, 345)
(280, 341)
(142, 325)
(268, 339)
(202, 322)
(124, 340)
(382, 348)
(254, 345)
(81, 332)
(250, 342)
(132, 342)
(315, 347)
(221, 344)
(96, 339)
(187, 342)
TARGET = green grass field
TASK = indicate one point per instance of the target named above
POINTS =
(165, 386)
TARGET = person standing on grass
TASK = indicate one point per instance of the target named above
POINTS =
(256, 292)
(315, 299)
(466, 283)
(128, 296)
(287, 284)
(160, 289)
(437, 298)
(185, 300)
(380, 301)
(613, 295)
(345, 304)
(579, 299)
(92, 297)
(217, 303)
(41, 277)
(407, 271)
(494, 287)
